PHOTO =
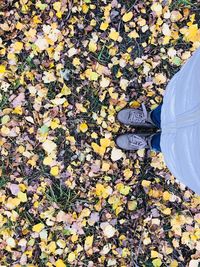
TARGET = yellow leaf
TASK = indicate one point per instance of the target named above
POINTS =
(174, 263)
(55, 123)
(123, 189)
(94, 135)
(154, 254)
(103, 191)
(94, 76)
(132, 204)
(76, 61)
(128, 173)
(104, 26)
(17, 110)
(114, 35)
(12, 203)
(83, 127)
(166, 196)
(192, 34)
(59, 14)
(85, 8)
(49, 146)
(88, 242)
(71, 257)
(133, 34)
(74, 238)
(91, 75)
(135, 104)
(127, 17)
(157, 262)
(166, 211)
(38, 227)
(19, 26)
(98, 149)
(5, 130)
(57, 6)
(92, 46)
(105, 142)
(2, 69)
(105, 166)
(60, 263)
(18, 46)
(54, 171)
(65, 90)
(52, 246)
(47, 161)
(146, 183)
(22, 196)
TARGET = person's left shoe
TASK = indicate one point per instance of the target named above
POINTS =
(131, 141)
(136, 117)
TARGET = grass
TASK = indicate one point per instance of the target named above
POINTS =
(52, 91)
(3, 181)
(64, 197)
(4, 178)
(181, 3)
(4, 101)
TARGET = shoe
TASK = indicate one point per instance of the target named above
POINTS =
(136, 117)
(131, 141)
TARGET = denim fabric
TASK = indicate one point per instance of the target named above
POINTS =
(155, 142)
(156, 115)
(156, 118)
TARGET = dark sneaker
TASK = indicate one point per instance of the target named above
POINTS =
(131, 141)
(136, 117)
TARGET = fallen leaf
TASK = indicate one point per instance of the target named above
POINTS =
(116, 154)
(127, 17)
(38, 227)
(108, 230)
(49, 146)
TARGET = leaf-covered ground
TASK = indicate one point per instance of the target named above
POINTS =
(68, 196)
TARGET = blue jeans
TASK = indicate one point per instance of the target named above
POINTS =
(156, 118)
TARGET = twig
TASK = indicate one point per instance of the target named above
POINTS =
(139, 247)
(132, 5)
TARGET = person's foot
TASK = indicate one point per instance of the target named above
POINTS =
(136, 117)
(131, 141)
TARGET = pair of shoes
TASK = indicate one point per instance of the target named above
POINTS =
(136, 118)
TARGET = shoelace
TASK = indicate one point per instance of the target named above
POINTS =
(137, 142)
(139, 117)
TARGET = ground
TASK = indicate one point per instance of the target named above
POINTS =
(68, 196)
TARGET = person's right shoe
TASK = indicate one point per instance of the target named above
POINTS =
(131, 141)
(136, 117)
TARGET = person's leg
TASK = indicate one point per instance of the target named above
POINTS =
(156, 115)
(155, 142)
